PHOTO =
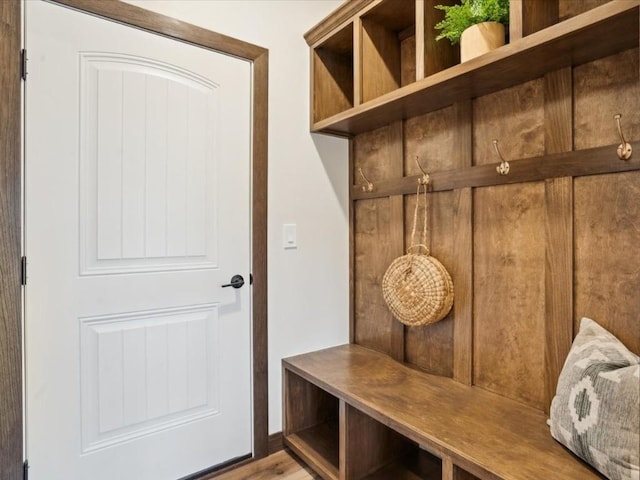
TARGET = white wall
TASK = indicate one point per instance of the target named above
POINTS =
(308, 180)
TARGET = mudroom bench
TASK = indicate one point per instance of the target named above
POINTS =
(352, 413)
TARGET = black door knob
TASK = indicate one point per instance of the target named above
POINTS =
(236, 282)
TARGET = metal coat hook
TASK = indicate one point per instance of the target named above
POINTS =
(624, 149)
(503, 168)
(425, 176)
(369, 186)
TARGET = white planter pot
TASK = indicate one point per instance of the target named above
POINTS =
(481, 38)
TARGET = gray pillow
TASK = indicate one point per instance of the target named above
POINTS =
(596, 410)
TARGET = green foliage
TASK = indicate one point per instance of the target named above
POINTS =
(469, 12)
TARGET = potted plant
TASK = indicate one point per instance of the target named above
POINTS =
(479, 25)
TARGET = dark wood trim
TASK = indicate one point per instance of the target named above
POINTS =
(352, 247)
(592, 161)
(169, 27)
(10, 243)
(396, 227)
(276, 442)
(463, 251)
(10, 201)
(559, 273)
(259, 249)
(559, 281)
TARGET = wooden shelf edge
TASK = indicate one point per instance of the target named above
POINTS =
(547, 50)
(578, 163)
(311, 457)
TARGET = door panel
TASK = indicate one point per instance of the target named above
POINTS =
(146, 124)
(138, 362)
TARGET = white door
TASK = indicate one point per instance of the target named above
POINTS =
(137, 212)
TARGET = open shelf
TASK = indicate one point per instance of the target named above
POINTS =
(603, 31)
(318, 445)
(417, 465)
(312, 424)
(460, 474)
(438, 55)
(333, 75)
(388, 48)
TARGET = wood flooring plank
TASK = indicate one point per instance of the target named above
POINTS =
(282, 465)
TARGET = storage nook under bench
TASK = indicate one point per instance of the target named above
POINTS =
(530, 252)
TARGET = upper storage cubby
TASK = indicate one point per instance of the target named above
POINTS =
(388, 47)
(333, 74)
(377, 61)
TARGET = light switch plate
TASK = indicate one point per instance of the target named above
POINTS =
(289, 235)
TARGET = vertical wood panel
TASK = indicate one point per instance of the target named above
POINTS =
(376, 245)
(352, 246)
(601, 89)
(607, 264)
(10, 196)
(508, 296)
(367, 444)
(558, 111)
(514, 116)
(558, 231)
(558, 280)
(408, 60)
(259, 246)
(447, 468)
(529, 16)
(462, 268)
(438, 55)
(571, 8)
(515, 20)
(431, 347)
(380, 60)
(420, 39)
(396, 224)
(538, 14)
(432, 137)
(509, 249)
(357, 61)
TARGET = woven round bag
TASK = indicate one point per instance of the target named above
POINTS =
(417, 287)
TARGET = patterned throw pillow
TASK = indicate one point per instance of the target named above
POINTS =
(596, 410)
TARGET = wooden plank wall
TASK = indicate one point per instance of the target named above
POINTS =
(528, 260)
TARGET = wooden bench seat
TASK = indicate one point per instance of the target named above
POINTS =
(472, 432)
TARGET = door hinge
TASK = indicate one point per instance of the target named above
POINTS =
(23, 271)
(25, 470)
(23, 64)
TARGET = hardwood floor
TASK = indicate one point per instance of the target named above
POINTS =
(282, 465)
